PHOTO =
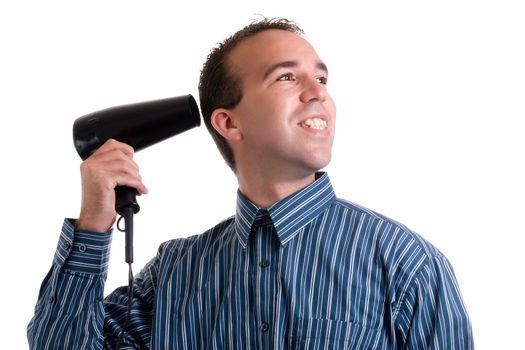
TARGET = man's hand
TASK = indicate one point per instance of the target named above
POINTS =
(110, 166)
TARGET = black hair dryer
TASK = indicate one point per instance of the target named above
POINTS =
(139, 125)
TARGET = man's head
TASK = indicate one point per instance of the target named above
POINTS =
(219, 87)
(258, 87)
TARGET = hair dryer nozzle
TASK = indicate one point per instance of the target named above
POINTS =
(139, 125)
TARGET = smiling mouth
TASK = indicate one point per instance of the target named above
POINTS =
(315, 123)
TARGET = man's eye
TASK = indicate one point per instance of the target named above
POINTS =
(322, 80)
(286, 77)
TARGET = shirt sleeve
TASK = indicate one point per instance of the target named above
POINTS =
(432, 314)
(71, 312)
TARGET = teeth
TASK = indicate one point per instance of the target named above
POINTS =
(315, 123)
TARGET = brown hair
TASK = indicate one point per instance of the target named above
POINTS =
(221, 88)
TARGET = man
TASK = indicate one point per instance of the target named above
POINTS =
(295, 268)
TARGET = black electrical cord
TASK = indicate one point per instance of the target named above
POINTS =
(130, 300)
(126, 205)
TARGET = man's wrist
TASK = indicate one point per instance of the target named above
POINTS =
(86, 225)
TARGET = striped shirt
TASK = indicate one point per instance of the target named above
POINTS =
(310, 272)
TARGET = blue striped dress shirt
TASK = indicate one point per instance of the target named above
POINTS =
(310, 272)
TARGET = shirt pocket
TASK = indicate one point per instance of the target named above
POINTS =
(313, 334)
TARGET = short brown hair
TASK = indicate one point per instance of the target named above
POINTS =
(221, 88)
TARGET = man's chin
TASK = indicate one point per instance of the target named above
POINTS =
(320, 162)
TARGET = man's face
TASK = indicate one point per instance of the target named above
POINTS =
(286, 116)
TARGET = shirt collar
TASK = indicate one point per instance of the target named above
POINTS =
(289, 214)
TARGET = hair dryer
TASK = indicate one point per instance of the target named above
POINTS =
(139, 125)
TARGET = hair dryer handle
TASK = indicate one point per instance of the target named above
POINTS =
(126, 205)
(126, 197)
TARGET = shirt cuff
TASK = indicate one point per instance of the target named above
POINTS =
(83, 251)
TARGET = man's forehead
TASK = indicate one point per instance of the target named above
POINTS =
(269, 48)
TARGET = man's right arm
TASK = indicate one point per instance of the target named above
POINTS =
(71, 312)
(70, 304)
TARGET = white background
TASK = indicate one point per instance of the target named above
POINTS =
(430, 100)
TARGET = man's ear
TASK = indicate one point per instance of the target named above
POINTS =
(223, 121)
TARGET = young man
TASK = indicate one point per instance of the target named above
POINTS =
(295, 268)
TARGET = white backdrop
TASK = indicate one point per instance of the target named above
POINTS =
(430, 100)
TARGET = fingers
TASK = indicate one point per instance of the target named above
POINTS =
(110, 166)
(112, 144)
(113, 165)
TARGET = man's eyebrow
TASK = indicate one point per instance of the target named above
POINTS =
(322, 66)
(289, 64)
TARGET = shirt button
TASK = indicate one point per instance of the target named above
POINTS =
(68, 245)
(264, 263)
(82, 248)
(265, 327)
(51, 299)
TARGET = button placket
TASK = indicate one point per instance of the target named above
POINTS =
(264, 263)
(264, 327)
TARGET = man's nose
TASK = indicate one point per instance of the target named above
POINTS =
(313, 90)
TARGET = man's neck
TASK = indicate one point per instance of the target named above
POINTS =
(264, 191)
